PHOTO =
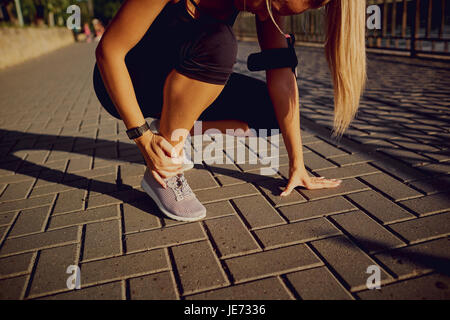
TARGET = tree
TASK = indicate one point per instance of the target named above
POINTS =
(106, 9)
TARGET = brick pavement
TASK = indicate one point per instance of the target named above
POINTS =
(70, 195)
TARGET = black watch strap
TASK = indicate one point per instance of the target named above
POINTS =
(135, 133)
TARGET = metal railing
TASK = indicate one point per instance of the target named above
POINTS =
(415, 27)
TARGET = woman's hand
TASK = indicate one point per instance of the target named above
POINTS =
(157, 153)
(301, 178)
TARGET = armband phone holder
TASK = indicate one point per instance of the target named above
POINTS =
(275, 58)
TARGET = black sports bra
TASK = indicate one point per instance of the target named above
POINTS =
(230, 21)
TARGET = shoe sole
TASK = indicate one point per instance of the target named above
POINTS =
(155, 198)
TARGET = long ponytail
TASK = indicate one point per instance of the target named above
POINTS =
(345, 50)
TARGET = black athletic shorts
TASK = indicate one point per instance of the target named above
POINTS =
(203, 49)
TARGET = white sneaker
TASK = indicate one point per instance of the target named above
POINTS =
(177, 201)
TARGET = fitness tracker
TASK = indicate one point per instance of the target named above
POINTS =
(135, 133)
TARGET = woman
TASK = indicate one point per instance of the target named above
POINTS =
(173, 60)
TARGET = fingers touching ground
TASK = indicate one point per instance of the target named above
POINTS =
(322, 183)
(312, 183)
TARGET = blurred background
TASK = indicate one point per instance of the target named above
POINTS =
(53, 12)
(408, 27)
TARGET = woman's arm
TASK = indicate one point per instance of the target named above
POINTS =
(126, 29)
(283, 90)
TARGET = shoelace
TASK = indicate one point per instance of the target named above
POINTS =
(180, 187)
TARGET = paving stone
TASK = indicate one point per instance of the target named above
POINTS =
(231, 237)
(132, 181)
(108, 291)
(315, 209)
(51, 270)
(348, 261)
(140, 216)
(267, 162)
(219, 167)
(428, 204)
(439, 156)
(351, 159)
(272, 262)
(425, 228)
(316, 162)
(197, 267)
(213, 210)
(219, 209)
(14, 178)
(391, 187)
(200, 179)
(265, 289)
(40, 241)
(347, 172)
(347, 186)
(102, 240)
(164, 237)
(89, 174)
(130, 170)
(126, 266)
(226, 193)
(30, 221)
(243, 177)
(69, 201)
(16, 191)
(56, 155)
(418, 259)
(368, 233)
(430, 186)
(56, 188)
(407, 156)
(274, 187)
(104, 184)
(431, 287)
(13, 288)
(402, 172)
(82, 217)
(81, 164)
(8, 168)
(99, 163)
(318, 284)
(50, 178)
(117, 197)
(326, 150)
(296, 232)
(16, 265)
(7, 218)
(159, 286)
(380, 207)
(257, 212)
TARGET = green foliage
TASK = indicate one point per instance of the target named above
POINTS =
(28, 11)
(106, 9)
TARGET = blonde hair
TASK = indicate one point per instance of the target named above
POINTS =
(345, 50)
(269, 9)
